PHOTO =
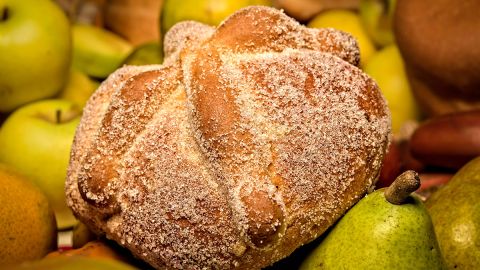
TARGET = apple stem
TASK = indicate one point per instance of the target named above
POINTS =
(402, 187)
(58, 116)
(5, 13)
(386, 5)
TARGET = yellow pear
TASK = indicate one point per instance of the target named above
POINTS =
(27, 225)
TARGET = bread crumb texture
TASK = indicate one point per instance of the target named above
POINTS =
(248, 142)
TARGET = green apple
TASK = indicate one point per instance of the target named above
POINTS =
(98, 52)
(36, 139)
(387, 68)
(211, 12)
(35, 50)
(377, 17)
(79, 88)
(347, 21)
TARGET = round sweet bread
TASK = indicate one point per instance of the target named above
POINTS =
(248, 142)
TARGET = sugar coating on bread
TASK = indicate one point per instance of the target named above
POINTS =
(250, 141)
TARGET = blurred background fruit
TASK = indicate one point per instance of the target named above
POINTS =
(27, 224)
(102, 249)
(448, 141)
(146, 54)
(392, 166)
(135, 20)
(211, 12)
(377, 18)
(84, 11)
(36, 140)
(347, 21)
(305, 10)
(98, 52)
(439, 41)
(74, 263)
(81, 235)
(35, 46)
(78, 89)
(387, 68)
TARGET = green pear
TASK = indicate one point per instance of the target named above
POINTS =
(73, 263)
(36, 140)
(35, 51)
(79, 88)
(455, 212)
(387, 229)
(146, 54)
(98, 52)
(211, 12)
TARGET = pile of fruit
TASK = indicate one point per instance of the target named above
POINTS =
(54, 55)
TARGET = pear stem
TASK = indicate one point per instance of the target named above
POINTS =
(4, 14)
(402, 187)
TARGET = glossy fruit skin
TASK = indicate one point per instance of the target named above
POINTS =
(347, 21)
(386, 67)
(32, 143)
(35, 46)
(376, 234)
(455, 212)
(98, 52)
(27, 225)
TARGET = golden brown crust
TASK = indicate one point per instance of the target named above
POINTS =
(135, 102)
(256, 30)
(255, 138)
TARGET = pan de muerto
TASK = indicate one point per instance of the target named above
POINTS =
(248, 142)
